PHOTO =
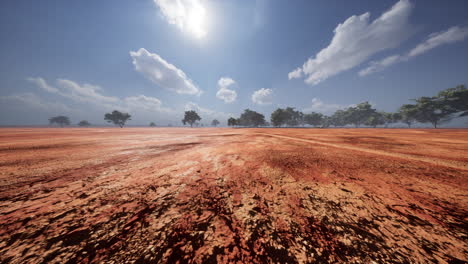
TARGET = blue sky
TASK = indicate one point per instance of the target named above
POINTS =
(157, 58)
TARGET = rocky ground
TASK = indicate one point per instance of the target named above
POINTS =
(156, 195)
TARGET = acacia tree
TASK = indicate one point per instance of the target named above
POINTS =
(118, 118)
(387, 118)
(287, 116)
(395, 117)
(294, 117)
(359, 114)
(59, 120)
(190, 117)
(251, 118)
(215, 122)
(456, 99)
(432, 110)
(152, 124)
(84, 123)
(375, 119)
(326, 121)
(232, 121)
(408, 114)
(278, 117)
(313, 119)
(338, 118)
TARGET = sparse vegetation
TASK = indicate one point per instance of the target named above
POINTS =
(60, 120)
(215, 123)
(232, 122)
(191, 117)
(117, 117)
(84, 123)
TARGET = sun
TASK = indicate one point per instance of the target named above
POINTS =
(197, 20)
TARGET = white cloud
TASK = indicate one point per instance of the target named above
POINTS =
(43, 84)
(162, 73)
(34, 102)
(206, 114)
(91, 94)
(263, 96)
(85, 92)
(355, 41)
(376, 66)
(80, 93)
(188, 15)
(452, 35)
(297, 73)
(147, 103)
(224, 93)
(83, 101)
(318, 105)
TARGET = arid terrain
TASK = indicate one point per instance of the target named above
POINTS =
(218, 195)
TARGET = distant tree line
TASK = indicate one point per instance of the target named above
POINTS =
(248, 119)
(116, 117)
(436, 110)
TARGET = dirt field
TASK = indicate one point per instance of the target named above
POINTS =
(156, 195)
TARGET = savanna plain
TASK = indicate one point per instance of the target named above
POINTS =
(219, 195)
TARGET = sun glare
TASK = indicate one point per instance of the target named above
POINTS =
(196, 21)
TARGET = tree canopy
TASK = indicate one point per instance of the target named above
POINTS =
(314, 119)
(432, 110)
(190, 118)
(251, 118)
(456, 99)
(84, 123)
(287, 116)
(215, 122)
(117, 117)
(232, 121)
(60, 120)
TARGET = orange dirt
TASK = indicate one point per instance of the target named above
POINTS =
(157, 195)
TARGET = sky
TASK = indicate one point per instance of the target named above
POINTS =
(158, 58)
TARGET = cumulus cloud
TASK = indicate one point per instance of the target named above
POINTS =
(147, 103)
(263, 96)
(355, 41)
(92, 94)
(297, 73)
(77, 92)
(224, 93)
(451, 35)
(83, 101)
(187, 15)
(162, 73)
(319, 106)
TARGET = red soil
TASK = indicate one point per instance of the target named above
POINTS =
(155, 195)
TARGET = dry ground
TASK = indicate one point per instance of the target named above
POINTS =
(156, 195)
